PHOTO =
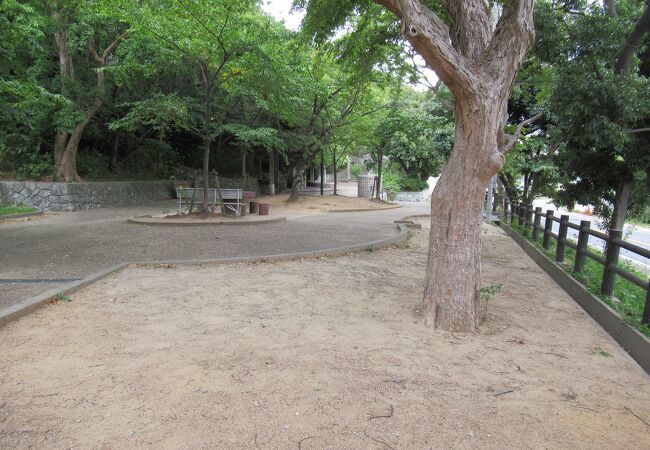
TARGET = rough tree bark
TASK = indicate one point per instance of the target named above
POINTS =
(621, 203)
(66, 72)
(335, 169)
(66, 157)
(380, 166)
(478, 62)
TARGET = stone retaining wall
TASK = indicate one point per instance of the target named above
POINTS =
(413, 196)
(76, 196)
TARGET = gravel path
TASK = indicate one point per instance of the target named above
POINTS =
(73, 245)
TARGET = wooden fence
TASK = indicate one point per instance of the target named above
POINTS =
(531, 218)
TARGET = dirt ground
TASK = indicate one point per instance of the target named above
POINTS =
(318, 353)
(310, 204)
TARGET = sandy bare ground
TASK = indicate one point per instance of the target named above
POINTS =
(326, 353)
(311, 204)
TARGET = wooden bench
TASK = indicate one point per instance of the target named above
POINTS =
(232, 198)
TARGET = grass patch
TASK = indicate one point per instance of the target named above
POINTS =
(628, 299)
(9, 210)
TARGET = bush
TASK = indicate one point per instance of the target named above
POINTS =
(391, 182)
(355, 170)
(92, 165)
(35, 171)
(398, 183)
(414, 184)
(640, 215)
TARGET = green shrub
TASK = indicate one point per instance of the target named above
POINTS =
(355, 170)
(391, 182)
(414, 184)
(398, 183)
(640, 215)
(36, 170)
(92, 165)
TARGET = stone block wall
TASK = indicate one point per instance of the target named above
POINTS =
(76, 196)
(423, 196)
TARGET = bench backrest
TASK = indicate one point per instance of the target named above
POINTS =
(228, 194)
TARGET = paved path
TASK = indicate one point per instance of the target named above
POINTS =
(74, 245)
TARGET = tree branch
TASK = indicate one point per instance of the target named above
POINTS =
(508, 141)
(430, 37)
(512, 39)
(638, 130)
(610, 6)
(449, 106)
(634, 41)
(472, 26)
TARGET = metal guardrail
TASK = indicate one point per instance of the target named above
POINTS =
(531, 218)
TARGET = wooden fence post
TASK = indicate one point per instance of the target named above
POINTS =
(646, 310)
(583, 242)
(548, 229)
(561, 238)
(529, 216)
(506, 209)
(537, 222)
(611, 261)
(513, 211)
(522, 214)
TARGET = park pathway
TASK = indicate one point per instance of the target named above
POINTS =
(39, 255)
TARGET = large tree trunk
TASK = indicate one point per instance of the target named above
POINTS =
(478, 61)
(380, 164)
(206, 174)
(524, 194)
(294, 184)
(336, 169)
(60, 141)
(66, 72)
(322, 173)
(67, 170)
(621, 203)
(453, 275)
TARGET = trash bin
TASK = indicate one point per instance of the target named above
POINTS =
(254, 207)
(263, 209)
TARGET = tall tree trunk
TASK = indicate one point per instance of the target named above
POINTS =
(453, 273)
(207, 135)
(335, 168)
(66, 72)
(294, 183)
(478, 61)
(621, 204)
(60, 141)
(67, 171)
(524, 195)
(322, 173)
(380, 164)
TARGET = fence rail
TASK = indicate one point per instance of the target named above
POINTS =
(531, 218)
